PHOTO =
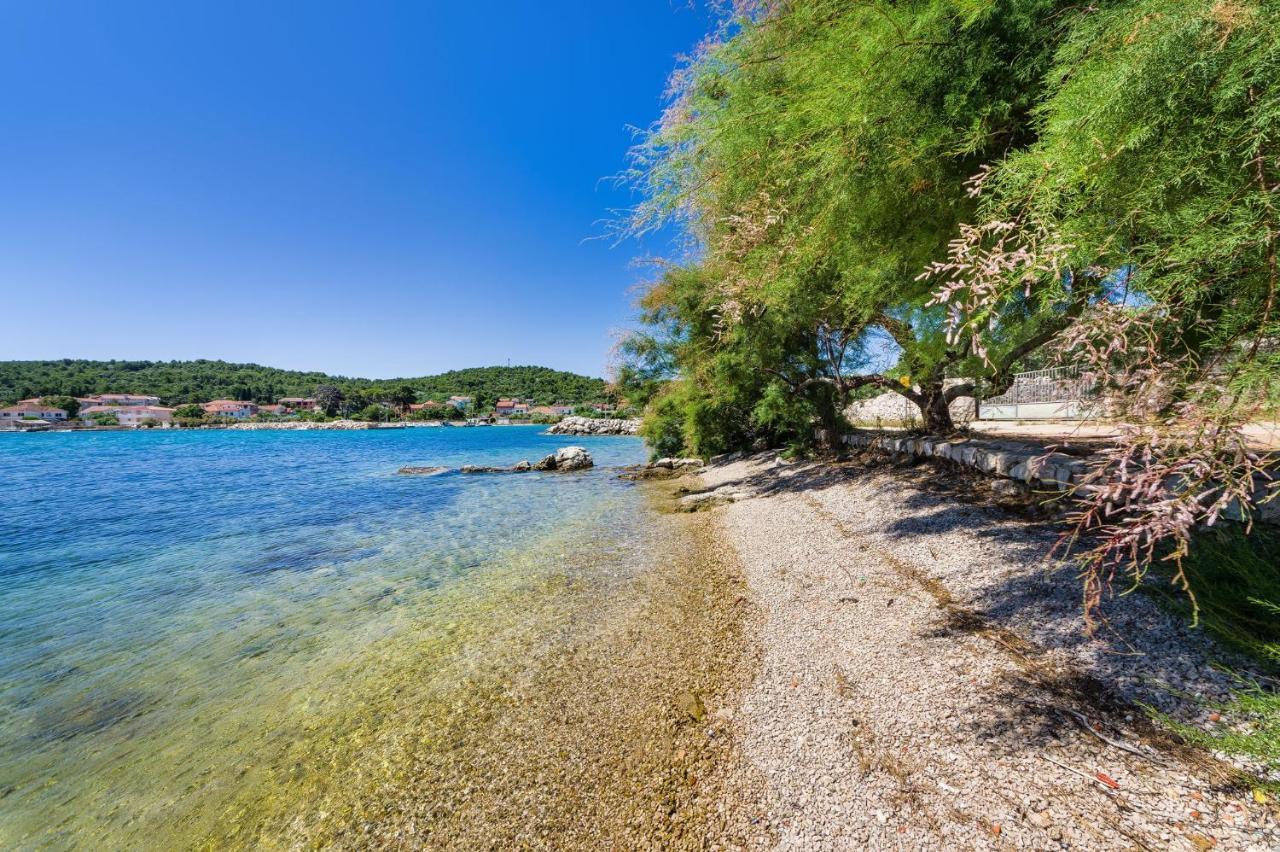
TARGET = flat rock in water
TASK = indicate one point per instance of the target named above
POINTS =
(423, 471)
(565, 458)
(665, 468)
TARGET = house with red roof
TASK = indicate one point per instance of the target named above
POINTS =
(130, 415)
(230, 408)
(30, 410)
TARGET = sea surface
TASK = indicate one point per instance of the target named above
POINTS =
(203, 634)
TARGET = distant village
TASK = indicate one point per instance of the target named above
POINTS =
(123, 410)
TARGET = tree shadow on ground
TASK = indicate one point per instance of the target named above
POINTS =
(1035, 591)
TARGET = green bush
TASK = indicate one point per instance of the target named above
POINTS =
(663, 426)
(1236, 582)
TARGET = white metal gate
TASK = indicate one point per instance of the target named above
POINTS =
(1058, 393)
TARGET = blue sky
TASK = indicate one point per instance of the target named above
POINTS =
(375, 189)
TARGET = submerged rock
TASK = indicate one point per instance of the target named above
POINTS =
(690, 704)
(424, 471)
(664, 468)
(701, 500)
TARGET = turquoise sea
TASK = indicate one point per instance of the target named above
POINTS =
(201, 630)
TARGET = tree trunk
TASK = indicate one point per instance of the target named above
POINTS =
(935, 410)
(829, 408)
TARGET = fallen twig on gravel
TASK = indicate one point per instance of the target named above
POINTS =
(1084, 723)
(1084, 775)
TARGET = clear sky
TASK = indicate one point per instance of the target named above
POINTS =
(366, 188)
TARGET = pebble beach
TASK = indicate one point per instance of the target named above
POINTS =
(925, 680)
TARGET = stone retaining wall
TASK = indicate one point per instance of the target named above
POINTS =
(1036, 466)
(1024, 462)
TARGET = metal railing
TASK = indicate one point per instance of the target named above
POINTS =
(1056, 384)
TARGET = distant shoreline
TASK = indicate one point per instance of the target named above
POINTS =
(300, 426)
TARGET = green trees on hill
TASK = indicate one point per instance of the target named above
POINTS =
(68, 404)
(541, 385)
(179, 382)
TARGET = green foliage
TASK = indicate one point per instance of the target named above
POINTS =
(329, 398)
(69, 404)
(1156, 152)
(375, 413)
(664, 425)
(541, 385)
(104, 419)
(1258, 705)
(1237, 588)
(643, 365)
(403, 396)
(786, 417)
(190, 411)
(818, 158)
(179, 382)
(1237, 592)
(863, 179)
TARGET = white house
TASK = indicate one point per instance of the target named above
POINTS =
(137, 415)
(131, 415)
(88, 413)
(31, 411)
(230, 408)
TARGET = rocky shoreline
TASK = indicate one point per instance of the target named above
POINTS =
(307, 426)
(562, 460)
(594, 426)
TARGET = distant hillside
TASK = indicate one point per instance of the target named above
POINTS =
(178, 382)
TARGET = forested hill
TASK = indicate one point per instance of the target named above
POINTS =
(178, 382)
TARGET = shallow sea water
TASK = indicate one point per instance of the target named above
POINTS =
(205, 637)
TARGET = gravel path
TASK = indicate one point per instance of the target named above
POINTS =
(925, 682)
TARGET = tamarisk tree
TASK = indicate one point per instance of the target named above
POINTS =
(818, 156)
(887, 195)
(1155, 168)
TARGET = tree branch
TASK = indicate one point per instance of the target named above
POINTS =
(1001, 377)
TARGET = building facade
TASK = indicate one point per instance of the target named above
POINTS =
(230, 408)
(28, 410)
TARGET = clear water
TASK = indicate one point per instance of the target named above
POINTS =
(200, 630)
